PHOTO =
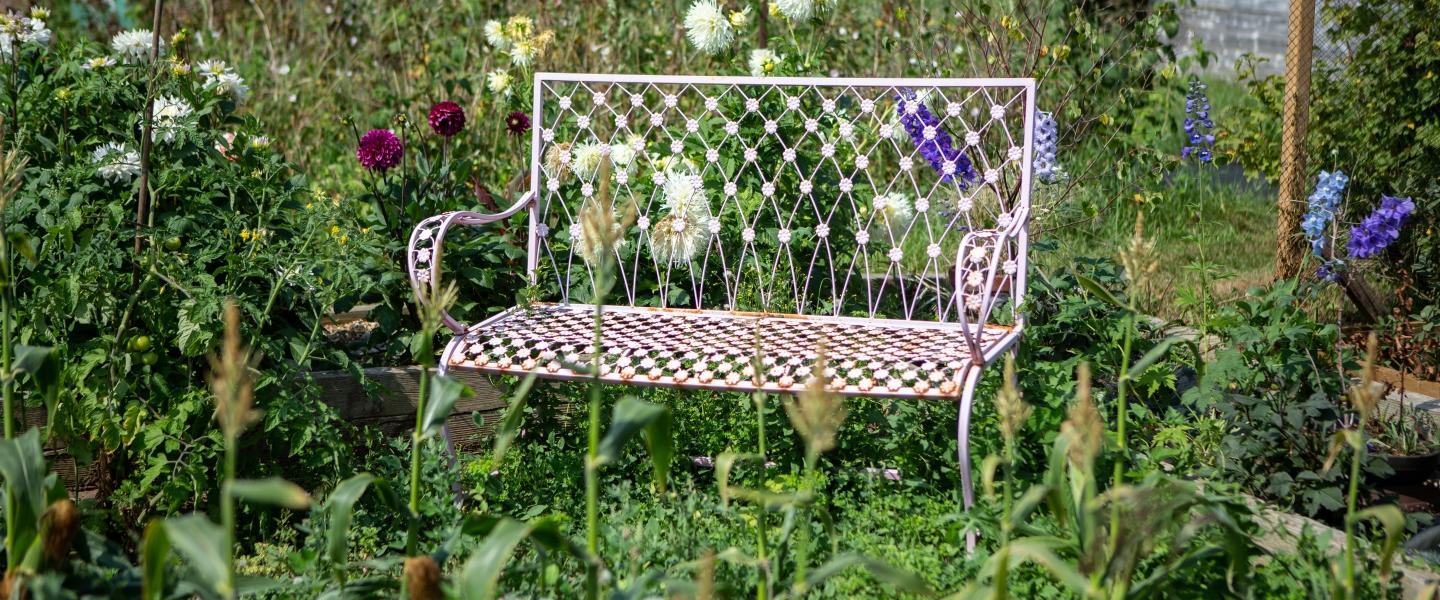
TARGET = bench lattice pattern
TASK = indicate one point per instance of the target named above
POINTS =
(762, 217)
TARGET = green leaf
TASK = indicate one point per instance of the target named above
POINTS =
(154, 553)
(339, 507)
(1039, 552)
(723, 465)
(1153, 355)
(42, 363)
(510, 423)
(882, 571)
(440, 402)
(1393, 520)
(202, 544)
(633, 415)
(273, 490)
(22, 464)
(1095, 288)
(480, 576)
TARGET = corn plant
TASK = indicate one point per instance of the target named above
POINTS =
(437, 396)
(1364, 397)
(1164, 522)
(817, 415)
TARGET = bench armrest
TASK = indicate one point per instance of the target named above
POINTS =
(988, 263)
(423, 255)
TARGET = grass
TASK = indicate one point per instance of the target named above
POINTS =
(1229, 225)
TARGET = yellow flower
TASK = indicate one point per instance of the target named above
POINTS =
(1138, 198)
(1106, 120)
(309, 205)
(343, 239)
(245, 234)
(334, 230)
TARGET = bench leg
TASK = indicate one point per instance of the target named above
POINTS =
(962, 431)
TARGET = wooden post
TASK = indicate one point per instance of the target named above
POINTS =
(1294, 122)
(762, 15)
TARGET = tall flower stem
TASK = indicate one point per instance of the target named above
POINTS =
(1121, 418)
(412, 537)
(761, 518)
(592, 458)
(1357, 456)
(142, 208)
(227, 512)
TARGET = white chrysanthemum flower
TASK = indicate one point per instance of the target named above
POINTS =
(739, 19)
(893, 208)
(135, 46)
(212, 68)
(763, 62)
(33, 31)
(495, 35)
(98, 62)
(623, 155)
(171, 114)
(499, 82)
(684, 230)
(231, 83)
(523, 52)
(222, 79)
(116, 162)
(707, 27)
(587, 160)
(796, 10)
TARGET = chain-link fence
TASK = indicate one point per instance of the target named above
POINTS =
(1232, 29)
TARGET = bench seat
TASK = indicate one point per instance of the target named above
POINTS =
(709, 349)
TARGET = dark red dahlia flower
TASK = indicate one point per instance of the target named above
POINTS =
(517, 123)
(379, 150)
(447, 118)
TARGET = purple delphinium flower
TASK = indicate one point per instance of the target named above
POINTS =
(447, 119)
(379, 150)
(1045, 163)
(1199, 129)
(933, 142)
(1381, 228)
(517, 123)
(1321, 209)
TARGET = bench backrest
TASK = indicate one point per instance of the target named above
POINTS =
(816, 196)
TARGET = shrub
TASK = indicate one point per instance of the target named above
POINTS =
(133, 309)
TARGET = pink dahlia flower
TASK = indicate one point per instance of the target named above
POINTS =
(379, 150)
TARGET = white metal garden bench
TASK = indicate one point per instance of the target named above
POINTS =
(799, 211)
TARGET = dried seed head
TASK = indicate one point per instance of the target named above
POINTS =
(422, 578)
(1082, 423)
(817, 413)
(230, 380)
(58, 527)
(1013, 411)
(1138, 257)
(1365, 395)
(435, 300)
(12, 173)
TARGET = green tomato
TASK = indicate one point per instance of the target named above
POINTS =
(149, 358)
(172, 243)
(140, 343)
